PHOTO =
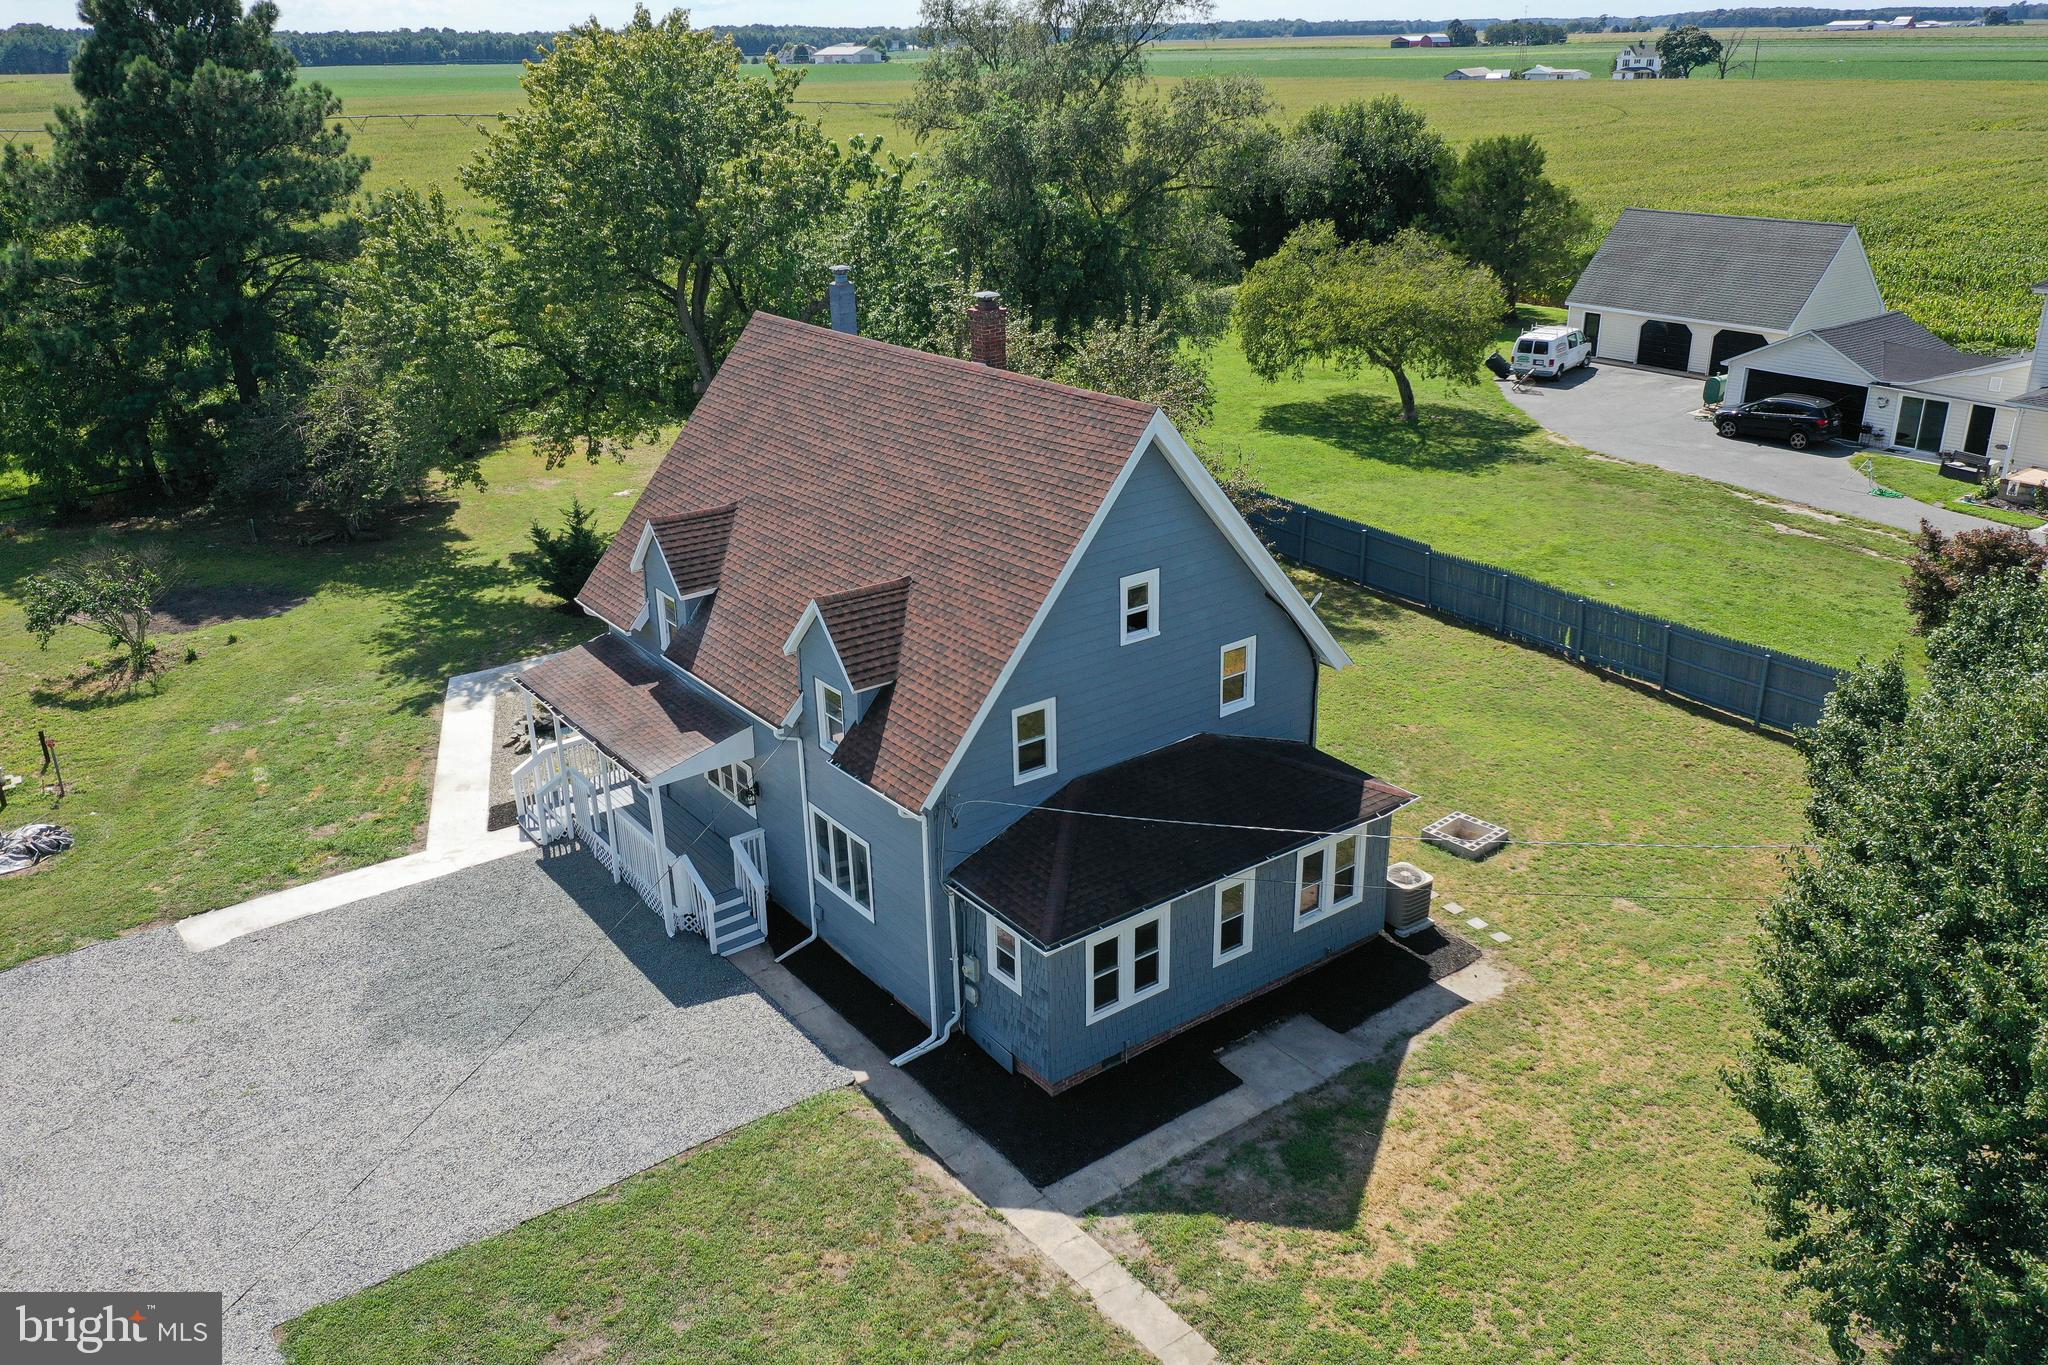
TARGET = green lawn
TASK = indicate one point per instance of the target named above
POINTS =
(1554, 1176)
(1923, 482)
(1479, 479)
(810, 1235)
(293, 746)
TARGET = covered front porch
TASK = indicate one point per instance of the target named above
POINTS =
(626, 734)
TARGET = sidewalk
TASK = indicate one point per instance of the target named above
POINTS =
(458, 825)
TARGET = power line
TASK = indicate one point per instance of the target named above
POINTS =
(1405, 838)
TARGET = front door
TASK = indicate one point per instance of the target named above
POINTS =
(1978, 440)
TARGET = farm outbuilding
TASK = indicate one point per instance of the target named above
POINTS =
(1694, 291)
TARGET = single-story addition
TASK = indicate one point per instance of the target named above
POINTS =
(844, 53)
(1691, 291)
(1907, 389)
(984, 680)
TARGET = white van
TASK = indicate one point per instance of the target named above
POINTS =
(1548, 352)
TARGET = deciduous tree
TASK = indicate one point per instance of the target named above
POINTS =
(1067, 182)
(1686, 48)
(1945, 567)
(109, 588)
(1897, 1076)
(1507, 215)
(1408, 306)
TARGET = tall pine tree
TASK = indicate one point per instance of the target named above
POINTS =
(187, 217)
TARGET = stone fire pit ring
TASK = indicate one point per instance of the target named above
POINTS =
(1467, 836)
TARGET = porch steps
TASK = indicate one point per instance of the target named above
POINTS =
(734, 927)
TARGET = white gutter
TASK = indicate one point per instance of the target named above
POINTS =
(939, 1032)
(803, 794)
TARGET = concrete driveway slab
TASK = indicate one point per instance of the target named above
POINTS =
(312, 1108)
(1648, 417)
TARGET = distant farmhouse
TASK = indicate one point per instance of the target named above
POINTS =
(1422, 40)
(1638, 62)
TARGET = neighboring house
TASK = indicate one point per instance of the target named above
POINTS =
(1478, 73)
(847, 53)
(1691, 291)
(984, 680)
(1638, 62)
(1422, 40)
(1539, 72)
(1907, 389)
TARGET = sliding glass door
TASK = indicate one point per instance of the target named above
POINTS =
(1921, 423)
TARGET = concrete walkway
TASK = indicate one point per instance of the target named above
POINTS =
(1275, 1065)
(1648, 417)
(458, 825)
(982, 1171)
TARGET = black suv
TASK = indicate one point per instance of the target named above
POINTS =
(1798, 419)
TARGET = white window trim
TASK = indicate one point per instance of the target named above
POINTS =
(742, 770)
(864, 911)
(1250, 891)
(1125, 635)
(1250, 645)
(1327, 903)
(996, 926)
(825, 740)
(1125, 935)
(1051, 707)
(665, 604)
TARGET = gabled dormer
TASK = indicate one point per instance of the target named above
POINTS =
(848, 647)
(680, 560)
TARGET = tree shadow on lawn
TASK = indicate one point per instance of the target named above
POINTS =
(1449, 437)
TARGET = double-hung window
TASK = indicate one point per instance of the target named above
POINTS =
(831, 716)
(1138, 605)
(1328, 877)
(1238, 685)
(1003, 954)
(1034, 741)
(671, 616)
(736, 782)
(1233, 919)
(1127, 964)
(841, 862)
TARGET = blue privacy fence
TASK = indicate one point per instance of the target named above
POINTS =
(1760, 685)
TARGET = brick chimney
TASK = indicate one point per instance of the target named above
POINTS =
(987, 336)
(839, 298)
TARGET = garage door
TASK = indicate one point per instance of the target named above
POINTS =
(1666, 345)
(1728, 345)
(1848, 397)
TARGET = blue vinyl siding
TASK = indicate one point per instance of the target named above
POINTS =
(891, 950)
(1117, 701)
(1195, 986)
(655, 568)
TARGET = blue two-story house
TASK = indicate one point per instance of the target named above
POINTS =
(984, 680)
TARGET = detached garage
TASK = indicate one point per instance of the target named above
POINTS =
(1694, 292)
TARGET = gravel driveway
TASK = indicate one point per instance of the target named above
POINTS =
(1647, 416)
(310, 1109)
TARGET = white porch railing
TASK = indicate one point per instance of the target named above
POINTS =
(542, 796)
(749, 856)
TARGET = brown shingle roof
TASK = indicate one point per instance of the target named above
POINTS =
(975, 484)
(694, 546)
(1058, 874)
(866, 626)
(631, 707)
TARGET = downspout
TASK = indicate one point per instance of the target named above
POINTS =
(940, 1032)
(803, 794)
